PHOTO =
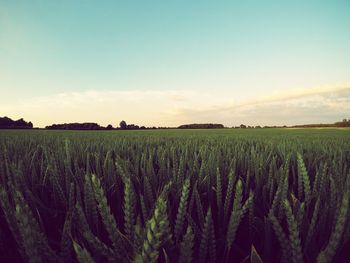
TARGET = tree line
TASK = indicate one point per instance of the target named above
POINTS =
(94, 126)
(124, 126)
(8, 123)
(202, 126)
(339, 124)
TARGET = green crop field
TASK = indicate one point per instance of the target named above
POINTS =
(220, 195)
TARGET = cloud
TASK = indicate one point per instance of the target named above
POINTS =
(315, 105)
(172, 108)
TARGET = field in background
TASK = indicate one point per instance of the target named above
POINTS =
(177, 195)
(269, 132)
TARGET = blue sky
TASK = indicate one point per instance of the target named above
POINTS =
(174, 61)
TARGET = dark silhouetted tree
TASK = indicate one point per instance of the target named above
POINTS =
(123, 125)
(75, 126)
(7, 123)
(201, 126)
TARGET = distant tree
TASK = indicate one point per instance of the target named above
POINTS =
(109, 127)
(132, 127)
(242, 126)
(344, 123)
(123, 125)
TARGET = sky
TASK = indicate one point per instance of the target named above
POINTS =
(166, 63)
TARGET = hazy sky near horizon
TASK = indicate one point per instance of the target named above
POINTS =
(166, 63)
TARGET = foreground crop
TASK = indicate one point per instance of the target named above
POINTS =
(178, 197)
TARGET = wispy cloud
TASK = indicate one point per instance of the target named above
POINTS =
(314, 105)
(171, 108)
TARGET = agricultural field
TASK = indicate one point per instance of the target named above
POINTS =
(221, 195)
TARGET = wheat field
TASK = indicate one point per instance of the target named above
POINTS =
(227, 195)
